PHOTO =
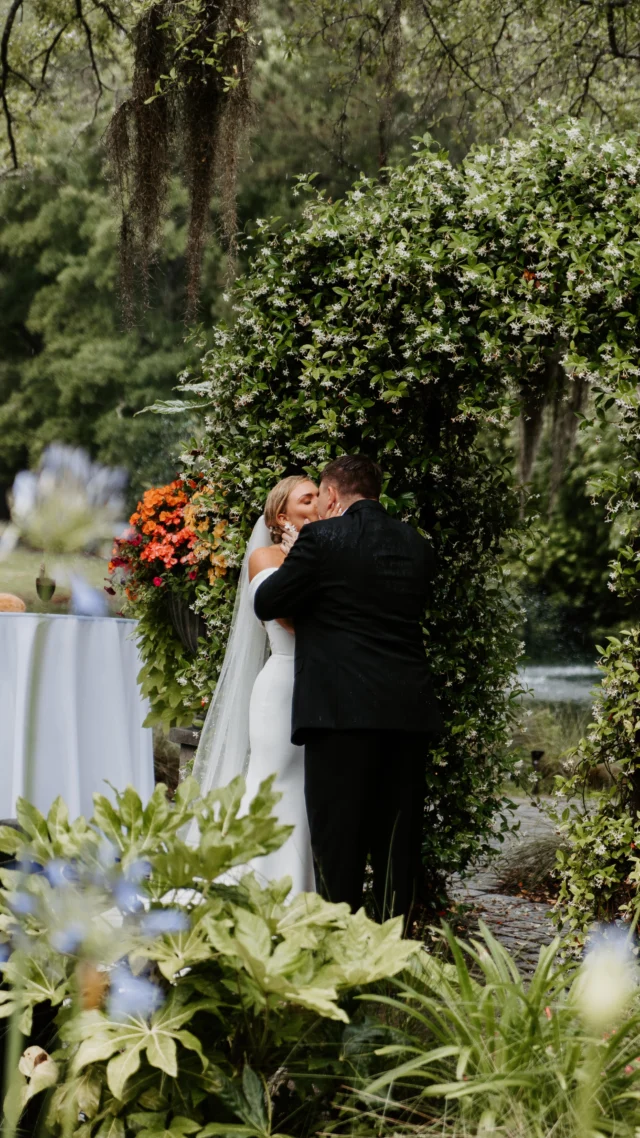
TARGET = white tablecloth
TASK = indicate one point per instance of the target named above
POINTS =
(89, 713)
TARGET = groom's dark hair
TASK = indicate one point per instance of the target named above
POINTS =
(354, 474)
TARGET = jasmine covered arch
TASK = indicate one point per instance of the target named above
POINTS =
(413, 320)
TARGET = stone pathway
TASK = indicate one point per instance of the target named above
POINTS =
(521, 925)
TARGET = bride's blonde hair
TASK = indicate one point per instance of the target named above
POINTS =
(276, 503)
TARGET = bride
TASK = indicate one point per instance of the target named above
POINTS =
(248, 726)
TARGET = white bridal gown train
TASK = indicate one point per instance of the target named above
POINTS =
(272, 752)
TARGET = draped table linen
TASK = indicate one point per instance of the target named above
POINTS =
(69, 695)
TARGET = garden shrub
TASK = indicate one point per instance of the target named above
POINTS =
(600, 870)
(412, 321)
(178, 996)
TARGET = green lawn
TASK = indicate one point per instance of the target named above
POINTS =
(19, 570)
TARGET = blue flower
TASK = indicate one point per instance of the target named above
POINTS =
(138, 870)
(68, 939)
(160, 922)
(59, 873)
(132, 996)
(128, 896)
(23, 904)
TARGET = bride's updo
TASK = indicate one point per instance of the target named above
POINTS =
(276, 503)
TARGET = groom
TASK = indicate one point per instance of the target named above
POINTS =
(356, 586)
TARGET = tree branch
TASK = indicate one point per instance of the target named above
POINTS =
(613, 35)
(5, 70)
(112, 18)
(88, 35)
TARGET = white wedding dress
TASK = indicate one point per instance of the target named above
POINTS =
(247, 730)
(272, 752)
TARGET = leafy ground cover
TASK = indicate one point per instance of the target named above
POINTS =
(188, 1002)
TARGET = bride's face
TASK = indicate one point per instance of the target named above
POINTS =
(302, 505)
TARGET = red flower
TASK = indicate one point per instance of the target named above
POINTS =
(157, 581)
(193, 574)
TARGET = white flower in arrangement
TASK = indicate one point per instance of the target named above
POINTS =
(68, 504)
(606, 981)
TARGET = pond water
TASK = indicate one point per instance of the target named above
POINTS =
(561, 683)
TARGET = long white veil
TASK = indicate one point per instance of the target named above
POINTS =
(223, 751)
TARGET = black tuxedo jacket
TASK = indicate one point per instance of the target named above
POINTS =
(357, 587)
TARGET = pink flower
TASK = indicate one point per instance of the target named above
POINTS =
(157, 581)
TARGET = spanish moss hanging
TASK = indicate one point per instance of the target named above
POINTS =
(189, 107)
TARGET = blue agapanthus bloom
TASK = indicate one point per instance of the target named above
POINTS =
(68, 939)
(160, 922)
(132, 996)
(60, 873)
(128, 896)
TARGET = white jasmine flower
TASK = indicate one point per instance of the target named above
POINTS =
(606, 980)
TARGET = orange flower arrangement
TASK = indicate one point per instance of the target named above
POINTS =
(169, 539)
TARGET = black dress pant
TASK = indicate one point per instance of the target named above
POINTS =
(364, 792)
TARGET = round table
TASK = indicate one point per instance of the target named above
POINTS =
(85, 725)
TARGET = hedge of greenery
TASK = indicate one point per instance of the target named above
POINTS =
(411, 321)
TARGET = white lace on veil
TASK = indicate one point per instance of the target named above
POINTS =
(223, 751)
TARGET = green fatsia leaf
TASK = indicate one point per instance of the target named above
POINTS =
(10, 840)
(226, 838)
(161, 1052)
(83, 1092)
(177, 1128)
(245, 1098)
(365, 951)
(123, 1043)
(111, 1128)
(106, 818)
(31, 820)
(176, 951)
(187, 793)
(146, 1120)
(139, 831)
(192, 1043)
(58, 819)
(122, 1067)
(310, 910)
(250, 943)
(34, 982)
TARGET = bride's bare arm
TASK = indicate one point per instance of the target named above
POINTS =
(269, 557)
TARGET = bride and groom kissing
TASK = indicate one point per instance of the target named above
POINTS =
(342, 711)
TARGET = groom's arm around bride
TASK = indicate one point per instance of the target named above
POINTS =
(356, 587)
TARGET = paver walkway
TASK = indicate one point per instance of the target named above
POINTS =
(523, 926)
